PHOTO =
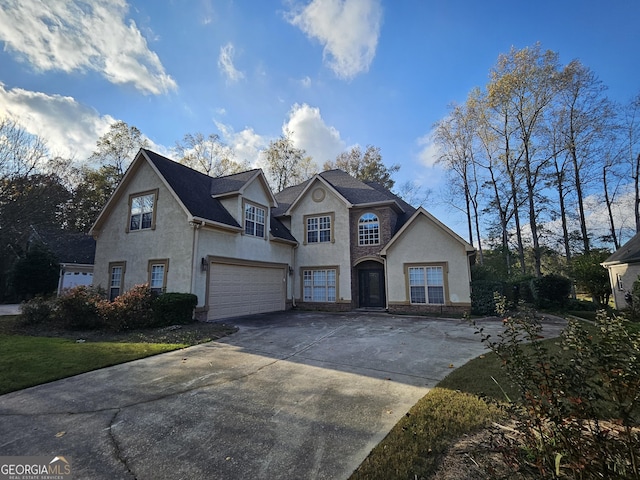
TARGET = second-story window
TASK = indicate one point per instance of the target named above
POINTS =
(368, 230)
(319, 229)
(254, 220)
(142, 207)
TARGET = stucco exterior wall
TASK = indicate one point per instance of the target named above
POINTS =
(628, 274)
(424, 242)
(171, 239)
(323, 254)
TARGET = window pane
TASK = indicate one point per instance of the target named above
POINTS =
(135, 222)
(434, 275)
(146, 220)
(436, 295)
(312, 237)
(249, 227)
(416, 276)
(259, 230)
(147, 203)
(116, 276)
(418, 295)
(157, 276)
(325, 236)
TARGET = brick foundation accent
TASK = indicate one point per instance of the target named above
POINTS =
(324, 307)
(429, 309)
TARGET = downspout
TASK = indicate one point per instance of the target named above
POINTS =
(386, 282)
(293, 277)
(194, 249)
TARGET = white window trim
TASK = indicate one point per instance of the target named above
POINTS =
(254, 208)
(310, 272)
(426, 284)
(317, 218)
(365, 236)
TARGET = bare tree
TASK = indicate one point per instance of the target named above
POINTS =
(286, 164)
(208, 155)
(118, 146)
(20, 152)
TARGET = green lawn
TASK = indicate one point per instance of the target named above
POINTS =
(26, 361)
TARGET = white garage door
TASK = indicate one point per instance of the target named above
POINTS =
(236, 290)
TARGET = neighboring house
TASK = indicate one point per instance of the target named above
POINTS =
(624, 268)
(332, 242)
(75, 253)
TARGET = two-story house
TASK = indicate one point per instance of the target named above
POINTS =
(332, 242)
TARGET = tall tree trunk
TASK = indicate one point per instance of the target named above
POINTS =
(609, 202)
(636, 181)
(583, 220)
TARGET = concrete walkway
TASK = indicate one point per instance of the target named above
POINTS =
(290, 395)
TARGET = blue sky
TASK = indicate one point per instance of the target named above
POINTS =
(337, 73)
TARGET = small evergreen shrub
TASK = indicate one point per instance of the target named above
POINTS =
(483, 298)
(37, 311)
(174, 308)
(550, 291)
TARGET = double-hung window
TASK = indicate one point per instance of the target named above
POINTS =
(319, 285)
(319, 229)
(254, 220)
(116, 279)
(426, 285)
(158, 275)
(142, 211)
(368, 230)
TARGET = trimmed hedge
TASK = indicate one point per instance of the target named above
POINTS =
(174, 308)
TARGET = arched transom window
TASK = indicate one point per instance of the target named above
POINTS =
(368, 230)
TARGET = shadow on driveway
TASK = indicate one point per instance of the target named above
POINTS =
(290, 395)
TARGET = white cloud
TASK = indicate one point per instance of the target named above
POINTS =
(306, 82)
(310, 132)
(75, 36)
(245, 144)
(69, 128)
(348, 30)
(225, 63)
(429, 153)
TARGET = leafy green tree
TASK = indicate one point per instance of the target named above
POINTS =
(89, 196)
(366, 167)
(36, 273)
(592, 277)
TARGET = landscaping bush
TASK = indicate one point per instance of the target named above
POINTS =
(37, 311)
(550, 291)
(578, 417)
(633, 300)
(483, 298)
(77, 308)
(131, 310)
(174, 308)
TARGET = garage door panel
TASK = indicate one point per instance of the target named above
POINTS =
(236, 290)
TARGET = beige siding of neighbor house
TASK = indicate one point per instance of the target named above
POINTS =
(621, 278)
(320, 200)
(171, 239)
(425, 243)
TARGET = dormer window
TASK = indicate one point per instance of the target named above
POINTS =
(142, 211)
(368, 230)
(254, 220)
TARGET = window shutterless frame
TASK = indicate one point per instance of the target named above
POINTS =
(116, 279)
(143, 207)
(157, 271)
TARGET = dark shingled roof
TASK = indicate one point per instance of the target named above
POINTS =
(68, 247)
(195, 190)
(352, 189)
(627, 253)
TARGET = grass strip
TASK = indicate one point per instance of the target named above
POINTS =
(26, 361)
(418, 442)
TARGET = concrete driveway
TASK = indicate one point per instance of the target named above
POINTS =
(290, 395)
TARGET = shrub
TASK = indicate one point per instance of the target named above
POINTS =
(550, 291)
(483, 298)
(36, 273)
(174, 308)
(131, 310)
(37, 311)
(561, 432)
(77, 308)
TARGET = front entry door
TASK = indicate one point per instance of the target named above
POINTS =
(371, 289)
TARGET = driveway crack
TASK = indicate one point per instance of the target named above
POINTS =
(116, 446)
